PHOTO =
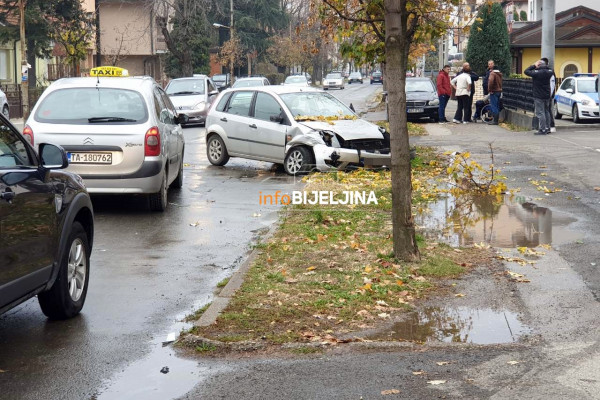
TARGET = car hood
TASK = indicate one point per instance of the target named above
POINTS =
(186, 101)
(347, 129)
(412, 96)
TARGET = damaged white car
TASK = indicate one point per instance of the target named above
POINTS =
(304, 129)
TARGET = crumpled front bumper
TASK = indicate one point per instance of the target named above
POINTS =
(327, 158)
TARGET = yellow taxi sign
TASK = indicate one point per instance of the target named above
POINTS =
(108, 71)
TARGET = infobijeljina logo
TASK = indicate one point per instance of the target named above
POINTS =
(321, 197)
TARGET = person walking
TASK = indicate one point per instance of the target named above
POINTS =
(494, 88)
(552, 93)
(541, 74)
(462, 86)
(474, 78)
(486, 78)
(444, 90)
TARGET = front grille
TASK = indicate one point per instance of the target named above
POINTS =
(366, 144)
(415, 103)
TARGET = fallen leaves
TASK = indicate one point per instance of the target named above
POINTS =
(513, 362)
(437, 382)
(517, 277)
(390, 391)
(443, 363)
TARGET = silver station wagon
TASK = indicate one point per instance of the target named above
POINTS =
(304, 129)
(121, 134)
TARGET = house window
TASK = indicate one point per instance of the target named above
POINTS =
(3, 64)
(570, 69)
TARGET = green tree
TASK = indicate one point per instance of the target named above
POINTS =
(488, 40)
(523, 15)
(515, 16)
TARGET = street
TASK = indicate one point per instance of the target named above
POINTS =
(149, 270)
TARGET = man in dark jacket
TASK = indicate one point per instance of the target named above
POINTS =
(541, 75)
(444, 91)
(552, 93)
(486, 78)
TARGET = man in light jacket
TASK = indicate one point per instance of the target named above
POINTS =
(462, 86)
(541, 75)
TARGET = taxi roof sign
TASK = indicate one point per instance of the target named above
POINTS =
(109, 71)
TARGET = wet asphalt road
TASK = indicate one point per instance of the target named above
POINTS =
(149, 270)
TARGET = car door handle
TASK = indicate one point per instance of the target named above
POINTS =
(253, 126)
(7, 195)
(224, 119)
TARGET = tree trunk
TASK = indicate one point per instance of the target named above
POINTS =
(396, 50)
(98, 34)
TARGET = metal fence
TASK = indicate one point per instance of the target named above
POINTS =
(518, 94)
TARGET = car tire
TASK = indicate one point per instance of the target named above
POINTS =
(557, 115)
(325, 88)
(576, 118)
(371, 82)
(298, 161)
(6, 112)
(216, 152)
(66, 296)
(158, 201)
(178, 182)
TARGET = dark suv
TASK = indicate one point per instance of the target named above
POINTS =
(46, 227)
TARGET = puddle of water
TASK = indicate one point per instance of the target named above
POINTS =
(508, 221)
(143, 379)
(457, 325)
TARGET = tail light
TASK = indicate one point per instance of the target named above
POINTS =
(28, 134)
(152, 142)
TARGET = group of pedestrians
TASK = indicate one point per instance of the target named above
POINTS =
(464, 87)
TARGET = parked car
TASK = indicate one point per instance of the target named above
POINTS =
(4, 105)
(377, 76)
(251, 82)
(192, 96)
(421, 99)
(333, 80)
(302, 128)
(122, 135)
(577, 97)
(355, 77)
(221, 81)
(47, 224)
(296, 80)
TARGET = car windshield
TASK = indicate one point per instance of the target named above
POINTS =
(92, 105)
(248, 83)
(418, 86)
(315, 105)
(183, 87)
(376, 73)
(295, 79)
(336, 75)
(219, 78)
(586, 86)
(355, 75)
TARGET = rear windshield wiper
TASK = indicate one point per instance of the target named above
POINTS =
(110, 119)
(182, 93)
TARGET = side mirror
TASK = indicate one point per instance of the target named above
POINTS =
(182, 119)
(276, 118)
(53, 157)
(213, 93)
(570, 91)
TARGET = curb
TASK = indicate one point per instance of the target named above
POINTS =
(222, 299)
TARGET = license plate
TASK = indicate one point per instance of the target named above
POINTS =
(90, 158)
(415, 110)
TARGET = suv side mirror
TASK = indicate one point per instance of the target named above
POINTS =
(569, 90)
(213, 93)
(53, 157)
(276, 118)
(182, 119)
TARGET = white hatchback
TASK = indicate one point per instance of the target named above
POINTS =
(122, 135)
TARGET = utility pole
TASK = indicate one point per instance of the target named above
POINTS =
(24, 65)
(548, 31)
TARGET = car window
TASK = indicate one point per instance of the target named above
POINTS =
(566, 84)
(223, 102)
(295, 79)
(78, 105)
(334, 76)
(164, 115)
(13, 151)
(315, 104)
(185, 87)
(266, 106)
(211, 87)
(586, 86)
(240, 103)
(419, 86)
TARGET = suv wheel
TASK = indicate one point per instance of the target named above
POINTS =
(216, 151)
(576, 118)
(298, 161)
(557, 115)
(178, 182)
(158, 201)
(66, 296)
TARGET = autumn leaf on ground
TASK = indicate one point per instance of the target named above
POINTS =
(368, 269)
(438, 382)
(443, 362)
(419, 372)
(512, 362)
(597, 188)
(390, 391)
(546, 246)
(311, 268)
(459, 295)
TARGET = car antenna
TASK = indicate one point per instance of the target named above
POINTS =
(352, 108)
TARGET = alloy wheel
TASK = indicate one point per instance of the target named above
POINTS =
(77, 267)
(215, 150)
